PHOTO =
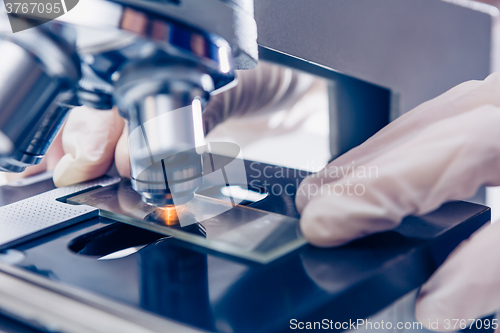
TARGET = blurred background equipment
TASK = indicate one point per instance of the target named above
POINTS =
(162, 63)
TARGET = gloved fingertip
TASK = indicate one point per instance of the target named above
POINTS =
(70, 171)
(318, 236)
(319, 228)
(122, 159)
(307, 190)
(62, 172)
(301, 196)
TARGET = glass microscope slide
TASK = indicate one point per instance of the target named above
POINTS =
(235, 230)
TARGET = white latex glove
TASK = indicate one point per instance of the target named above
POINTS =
(443, 150)
(84, 148)
(466, 286)
(89, 138)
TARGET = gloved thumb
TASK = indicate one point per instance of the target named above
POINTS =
(89, 139)
(448, 160)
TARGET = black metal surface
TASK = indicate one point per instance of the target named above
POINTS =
(211, 292)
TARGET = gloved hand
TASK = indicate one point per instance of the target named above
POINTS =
(84, 148)
(91, 139)
(442, 150)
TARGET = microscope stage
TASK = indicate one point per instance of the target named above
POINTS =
(174, 278)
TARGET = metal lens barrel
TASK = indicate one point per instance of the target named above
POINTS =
(37, 78)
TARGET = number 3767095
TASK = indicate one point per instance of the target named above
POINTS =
(33, 8)
(457, 324)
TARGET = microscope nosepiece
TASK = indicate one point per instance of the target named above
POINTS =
(163, 107)
(170, 181)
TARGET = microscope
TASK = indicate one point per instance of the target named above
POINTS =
(157, 62)
(77, 259)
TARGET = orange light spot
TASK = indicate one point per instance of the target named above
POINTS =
(169, 215)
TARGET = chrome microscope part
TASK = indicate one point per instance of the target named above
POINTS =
(160, 90)
(93, 91)
(162, 103)
(37, 78)
(162, 73)
(158, 62)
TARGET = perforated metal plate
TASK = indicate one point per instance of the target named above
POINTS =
(41, 214)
